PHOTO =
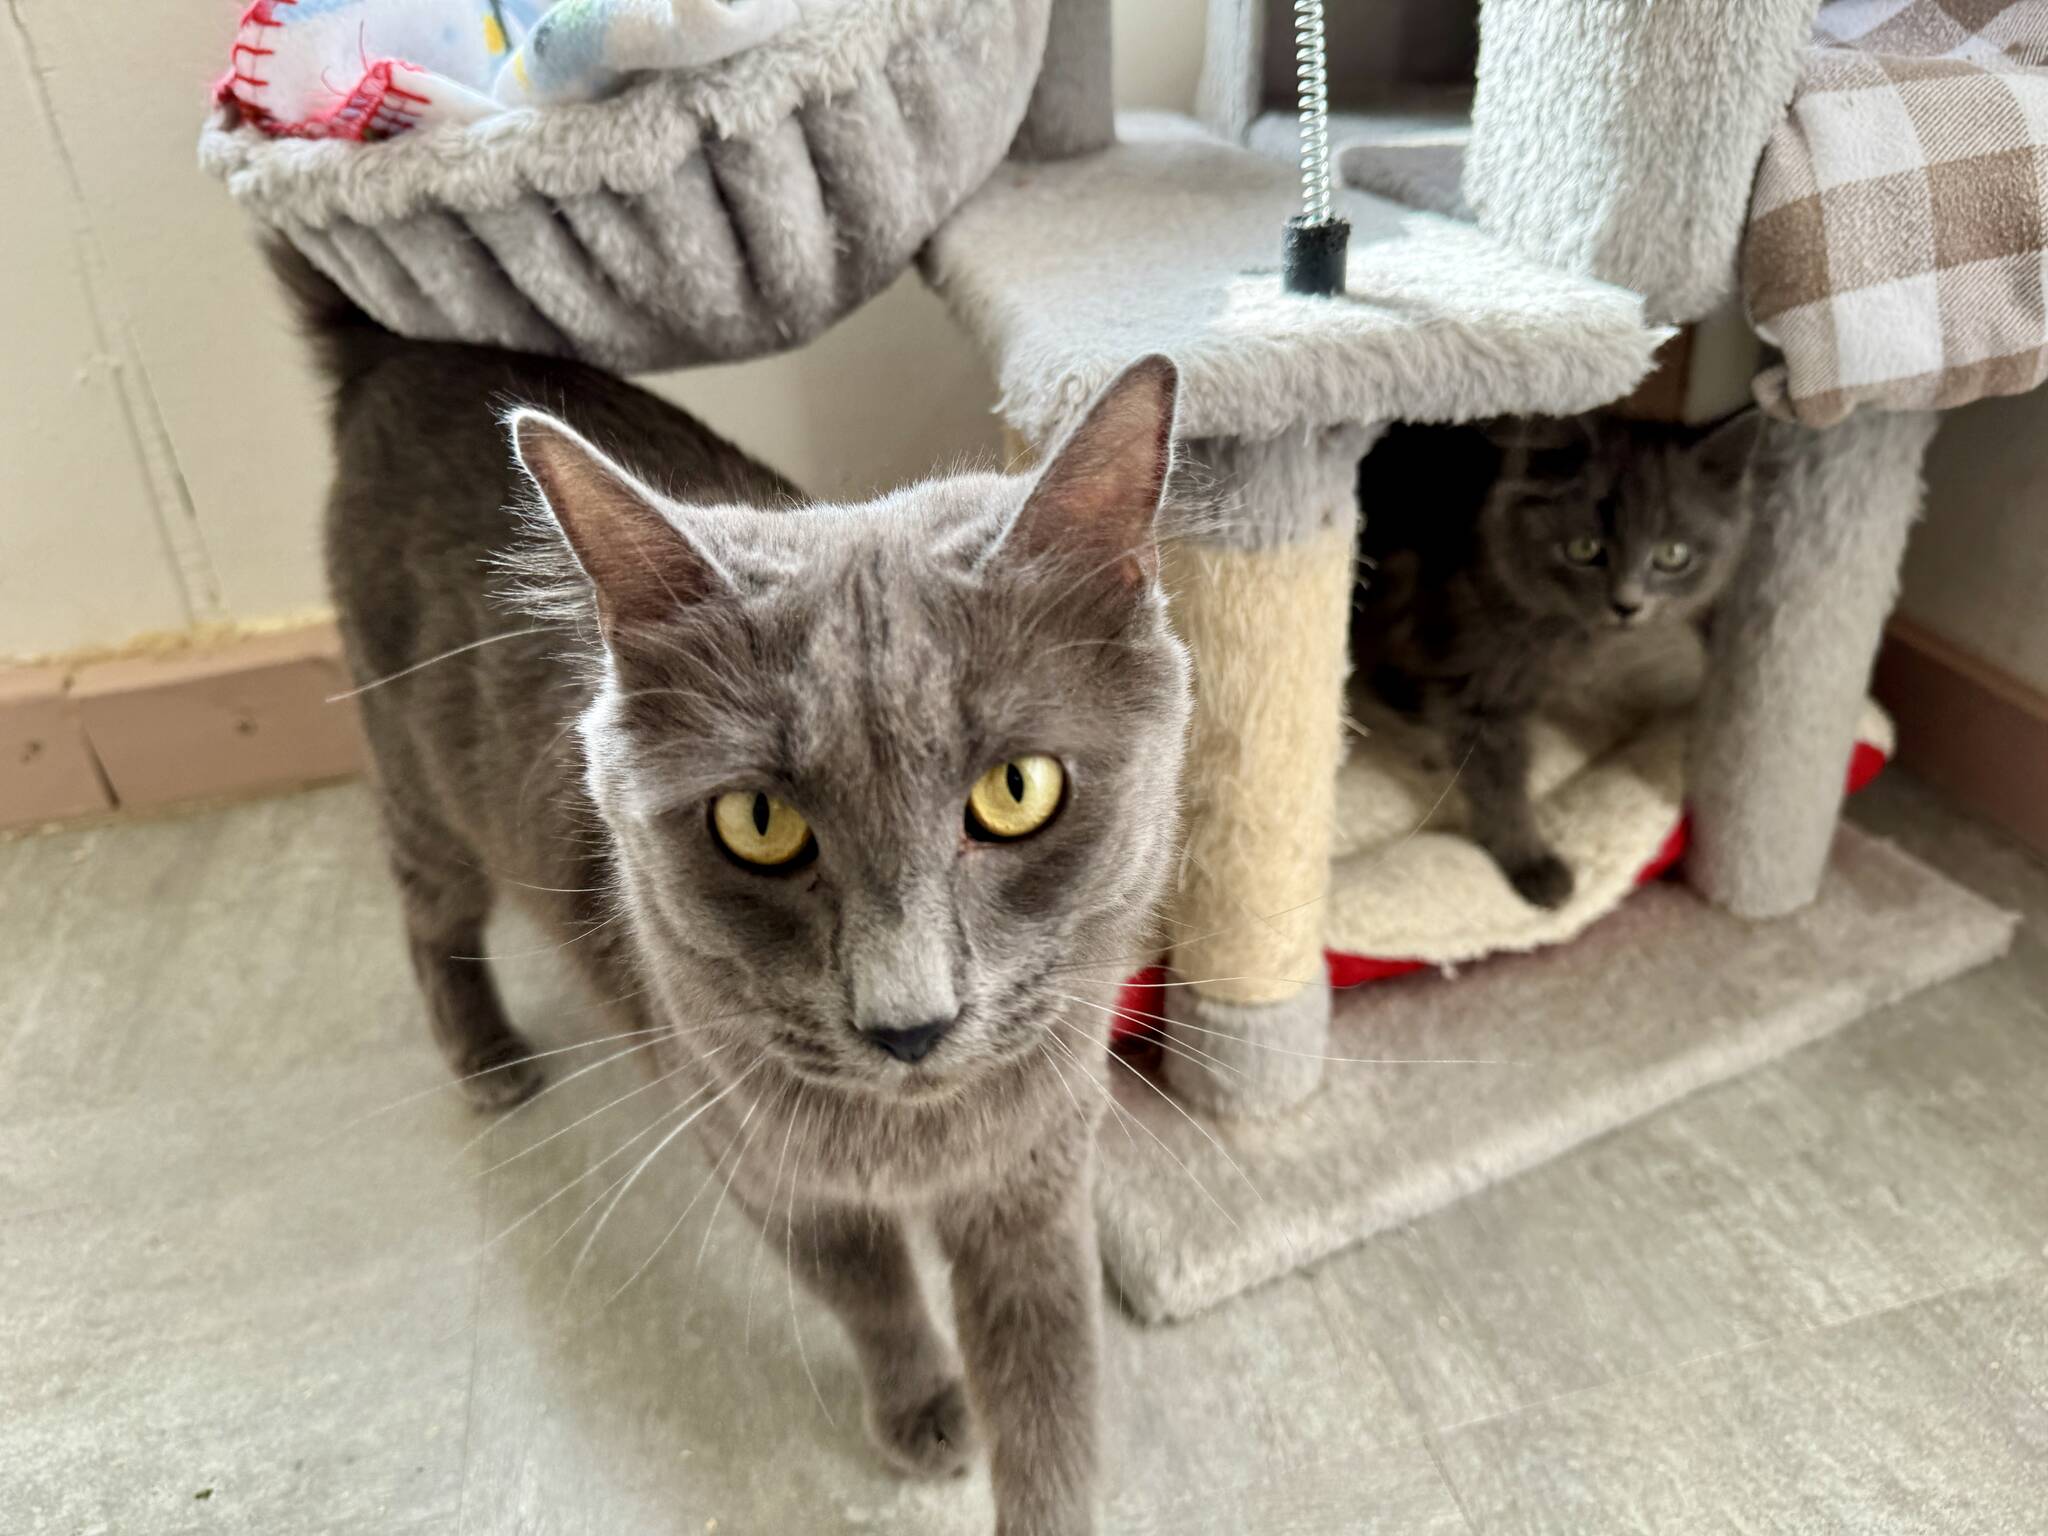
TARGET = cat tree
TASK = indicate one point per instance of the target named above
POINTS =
(1599, 172)
(1594, 201)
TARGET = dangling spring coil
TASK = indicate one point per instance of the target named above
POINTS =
(1312, 80)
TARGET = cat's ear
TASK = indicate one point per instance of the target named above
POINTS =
(1541, 451)
(641, 567)
(1096, 499)
(1724, 455)
(1540, 434)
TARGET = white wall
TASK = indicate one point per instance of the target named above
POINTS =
(161, 449)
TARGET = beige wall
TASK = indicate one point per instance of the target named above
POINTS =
(1977, 569)
(161, 457)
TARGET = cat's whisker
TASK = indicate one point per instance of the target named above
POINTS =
(420, 666)
(552, 890)
(1165, 1097)
(631, 1093)
(774, 1190)
(1137, 1014)
(641, 1167)
(1122, 1122)
(545, 949)
(1077, 645)
(796, 1326)
(1217, 981)
(1115, 1108)
(619, 1151)
(517, 1110)
(1188, 854)
(684, 1214)
(711, 1222)
(546, 752)
(1181, 1048)
(1080, 1114)
(454, 1083)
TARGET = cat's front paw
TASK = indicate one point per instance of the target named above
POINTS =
(932, 1437)
(500, 1076)
(1545, 881)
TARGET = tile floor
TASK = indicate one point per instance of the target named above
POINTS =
(1813, 1299)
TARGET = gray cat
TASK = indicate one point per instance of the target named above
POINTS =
(1500, 553)
(839, 800)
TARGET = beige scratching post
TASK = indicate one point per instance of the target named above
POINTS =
(1264, 607)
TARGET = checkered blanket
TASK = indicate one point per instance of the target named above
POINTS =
(1899, 228)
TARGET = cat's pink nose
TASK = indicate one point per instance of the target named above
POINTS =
(912, 1044)
(1625, 610)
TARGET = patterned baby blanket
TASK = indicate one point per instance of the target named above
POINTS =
(1899, 225)
(368, 69)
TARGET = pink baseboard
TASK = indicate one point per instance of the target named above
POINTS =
(47, 768)
(191, 722)
(1967, 728)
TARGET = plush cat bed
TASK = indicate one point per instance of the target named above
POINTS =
(699, 216)
(1409, 891)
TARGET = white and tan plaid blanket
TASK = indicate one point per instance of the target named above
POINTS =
(1898, 232)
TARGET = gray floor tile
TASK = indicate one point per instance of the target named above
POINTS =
(1896, 1160)
(297, 1341)
(1893, 1423)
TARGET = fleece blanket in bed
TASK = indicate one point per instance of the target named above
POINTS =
(1410, 891)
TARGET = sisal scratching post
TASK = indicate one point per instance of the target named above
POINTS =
(1264, 611)
(1793, 646)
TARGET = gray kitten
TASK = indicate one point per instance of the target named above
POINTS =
(1501, 553)
(841, 801)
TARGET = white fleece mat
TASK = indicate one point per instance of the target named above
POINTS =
(1606, 773)
(1662, 998)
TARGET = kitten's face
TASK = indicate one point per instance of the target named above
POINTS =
(915, 762)
(1615, 526)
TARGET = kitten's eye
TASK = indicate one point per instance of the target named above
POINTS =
(1583, 551)
(1015, 798)
(1672, 557)
(760, 830)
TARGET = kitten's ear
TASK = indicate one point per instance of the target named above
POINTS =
(1541, 450)
(1540, 434)
(1097, 496)
(640, 565)
(1725, 454)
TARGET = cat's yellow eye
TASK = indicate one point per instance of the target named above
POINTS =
(1015, 798)
(1672, 557)
(1583, 550)
(759, 829)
